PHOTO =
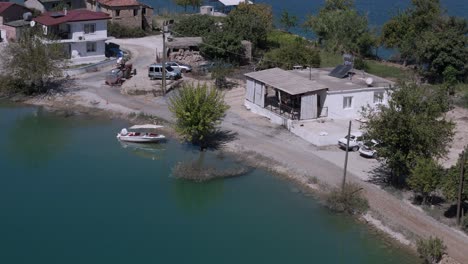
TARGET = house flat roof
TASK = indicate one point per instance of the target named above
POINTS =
(50, 18)
(184, 42)
(119, 2)
(286, 81)
(233, 2)
(358, 81)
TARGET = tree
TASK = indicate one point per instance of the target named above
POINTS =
(222, 45)
(298, 52)
(185, 3)
(251, 22)
(288, 21)
(33, 60)
(411, 126)
(425, 177)
(194, 26)
(426, 35)
(451, 181)
(340, 28)
(198, 109)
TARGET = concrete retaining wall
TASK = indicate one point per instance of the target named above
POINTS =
(90, 68)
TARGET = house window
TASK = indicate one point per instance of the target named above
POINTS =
(347, 102)
(89, 28)
(90, 46)
(143, 11)
(135, 12)
(378, 97)
(117, 13)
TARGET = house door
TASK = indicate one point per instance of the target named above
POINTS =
(319, 105)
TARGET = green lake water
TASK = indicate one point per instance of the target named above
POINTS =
(71, 193)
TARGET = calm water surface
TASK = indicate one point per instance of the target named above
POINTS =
(70, 193)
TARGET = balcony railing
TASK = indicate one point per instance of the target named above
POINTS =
(282, 109)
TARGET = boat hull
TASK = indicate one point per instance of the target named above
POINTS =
(141, 139)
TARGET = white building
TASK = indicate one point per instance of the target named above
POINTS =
(82, 32)
(311, 94)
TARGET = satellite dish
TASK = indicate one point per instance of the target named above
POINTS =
(369, 81)
(32, 23)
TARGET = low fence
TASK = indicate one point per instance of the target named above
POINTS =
(89, 68)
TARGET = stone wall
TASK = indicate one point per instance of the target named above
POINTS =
(129, 16)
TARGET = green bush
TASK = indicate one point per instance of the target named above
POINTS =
(119, 31)
(431, 250)
(349, 200)
(361, 64)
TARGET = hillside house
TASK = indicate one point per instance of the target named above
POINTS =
(50, 5)
(82, 32)
(13, 19)
(130, 13)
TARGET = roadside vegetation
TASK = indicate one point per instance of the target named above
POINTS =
(348, 200)
(431, 250)
(121, 31)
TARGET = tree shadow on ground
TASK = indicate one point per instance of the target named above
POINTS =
(219, 138)
(451, 211)
(382, 176)
(431, 200)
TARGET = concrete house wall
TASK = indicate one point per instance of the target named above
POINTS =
(360, 98)
(79, 40)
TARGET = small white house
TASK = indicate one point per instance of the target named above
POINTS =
(82, 32)
(284, 96)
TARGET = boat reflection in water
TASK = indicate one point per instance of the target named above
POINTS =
(148, 151)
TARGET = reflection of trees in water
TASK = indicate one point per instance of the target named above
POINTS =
(194, 196)
(38, 137)
(147, 151)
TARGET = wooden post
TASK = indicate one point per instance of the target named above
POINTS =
(460, 189)
(163, 84)
(346, 158)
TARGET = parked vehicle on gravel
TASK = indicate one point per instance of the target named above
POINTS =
(119, 74)
(355, 141)
(368, 149)
(179, 66)
(155, 72)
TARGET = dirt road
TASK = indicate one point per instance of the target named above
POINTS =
(257, 134)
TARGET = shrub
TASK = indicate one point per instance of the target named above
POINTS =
(120, 31)
(361, 64)
(349, 200)
(431, 250)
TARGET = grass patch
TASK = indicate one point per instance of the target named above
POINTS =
(387, 71)
(277, 38)
(328, 59)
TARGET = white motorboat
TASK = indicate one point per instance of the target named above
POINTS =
(137, 134)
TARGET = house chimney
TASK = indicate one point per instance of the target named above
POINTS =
(64, 11)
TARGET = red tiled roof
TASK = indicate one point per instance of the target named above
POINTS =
(5, 5)
(119, 2)
(76, 15)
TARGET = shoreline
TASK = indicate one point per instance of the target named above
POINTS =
(316, 188)
(83, 102)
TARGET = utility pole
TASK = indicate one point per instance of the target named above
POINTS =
(346, 158)
(163, 84)
(460, 189)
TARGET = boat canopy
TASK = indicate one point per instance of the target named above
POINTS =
(147, 126)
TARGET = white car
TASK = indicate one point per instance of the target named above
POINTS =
(368, 149)
(355, 141)
(179, 66)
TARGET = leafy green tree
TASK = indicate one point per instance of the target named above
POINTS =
(340, 28)
(426, 35)
(451, 181)
(425, 177)
(299, 52)
(222, 45)
(194, 26)
(251, 22)
(411, 126)
(32, 61)
(431, 250)
(199, 110)
(185, 3)
(288, 21)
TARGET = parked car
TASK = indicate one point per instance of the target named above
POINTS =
(209, 66)
(179, 66)
(368, 149)
(155, 72)
(355, 141)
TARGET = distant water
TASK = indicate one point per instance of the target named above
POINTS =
(71, 193)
